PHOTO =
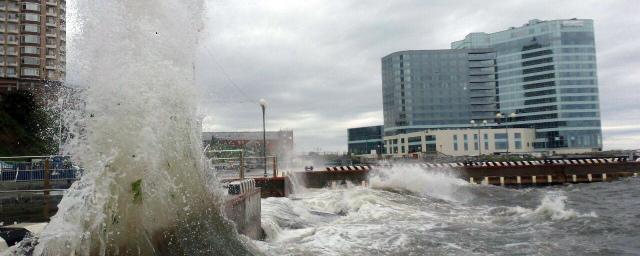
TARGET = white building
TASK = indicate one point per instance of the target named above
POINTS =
(462, 142)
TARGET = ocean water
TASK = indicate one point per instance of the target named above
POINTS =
(408, 211)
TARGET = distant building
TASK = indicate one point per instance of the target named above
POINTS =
(279, 143)
(462, 142)
(365, 140)
(429, 89)
(32, 44)
(547, 75)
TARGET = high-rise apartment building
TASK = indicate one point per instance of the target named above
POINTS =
(546, 75)
(32, 43)
(437, 89)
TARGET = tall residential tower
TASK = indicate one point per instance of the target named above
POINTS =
(546, 75)
(32, 43)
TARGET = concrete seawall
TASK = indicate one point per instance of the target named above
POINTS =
(245, 211)
(540, 174)
(548, 174)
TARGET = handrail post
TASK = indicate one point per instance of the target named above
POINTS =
(46, 188)
(241, 164)
(275, 166)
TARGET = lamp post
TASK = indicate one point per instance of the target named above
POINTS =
(473, 124)
(263, 105)
(484, 124)
(511, 117)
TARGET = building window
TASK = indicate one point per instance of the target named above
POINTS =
(517, 135)
(486, 145)
(31, 7)
(455, 137)
(30, 72)
(500, 136)
(518, 144)
(12, 61)
(31, 61)
(402, 149)
(12, 39)
(11, 72)
(31, 28)
(30, 50)
(12, 27)
(455, 146)
(465, 137)
(11, 50)
(30, 17)
(486, 136)
(466, 146)
(475, 145)
(415, 139)
(31, 39)
(501, 145)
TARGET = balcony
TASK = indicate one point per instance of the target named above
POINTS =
(480, 72)
(484, 56)
(481, 94)
(52, 2)
(481, 64)
(482, 101)
(483, 107)
(473, 79)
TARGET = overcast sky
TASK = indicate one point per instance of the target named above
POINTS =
(317, 63)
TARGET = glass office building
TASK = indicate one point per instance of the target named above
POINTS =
(546, 74)
(437, 89)
(364, 140)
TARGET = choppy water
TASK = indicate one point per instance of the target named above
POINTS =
(411, 212)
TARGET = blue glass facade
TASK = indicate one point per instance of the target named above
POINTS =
(427, 89)
(547, 75)
(362, 140)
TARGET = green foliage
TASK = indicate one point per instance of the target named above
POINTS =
(136, 189)
(26, 127)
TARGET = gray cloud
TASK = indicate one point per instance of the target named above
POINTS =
(318, 62)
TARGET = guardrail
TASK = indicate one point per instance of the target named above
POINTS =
(37, 168)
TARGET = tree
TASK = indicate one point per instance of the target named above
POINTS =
(26, 126)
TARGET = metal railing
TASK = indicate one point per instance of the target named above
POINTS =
(37, 168)
(239, 165)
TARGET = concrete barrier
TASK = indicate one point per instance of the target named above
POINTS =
(243, 207)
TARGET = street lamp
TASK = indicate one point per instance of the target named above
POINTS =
(484, 124)
(473, 124)
(511, 117)
(263, 105)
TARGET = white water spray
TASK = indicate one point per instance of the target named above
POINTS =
(145, 191)
(415, 179)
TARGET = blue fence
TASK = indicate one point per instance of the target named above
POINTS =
(34, 171)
